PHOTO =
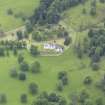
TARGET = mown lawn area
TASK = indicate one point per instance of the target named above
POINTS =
(75, 17)
(9, 22)
(47, 79)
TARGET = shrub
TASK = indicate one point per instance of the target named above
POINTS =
(24, 66)
(23, 98)
(13, 73)
(95, 66)
(10, 11)
(22, 76)
(35, 67)
(3, 98)
(33, 88)
(88, 80)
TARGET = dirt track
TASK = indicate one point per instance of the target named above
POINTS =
(22, 28)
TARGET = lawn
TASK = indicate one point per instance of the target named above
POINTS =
(18, 6)
(75, 18)
(77, 69)
(47, 79)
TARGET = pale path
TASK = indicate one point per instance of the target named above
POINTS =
(8, 36)
(22, 28)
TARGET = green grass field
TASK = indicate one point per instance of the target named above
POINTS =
(21, 6)
(47, 79)
(75, 18)
(77, 69)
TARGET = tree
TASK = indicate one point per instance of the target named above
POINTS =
(15, 51)
(88, 102)
(22, 76)
(79, 51)
(35, 67)
(3, 98)
(67, 41)
(62, 74)
(33, 88)
(60, 86)
(74, 99)
(24, 66)
(93, 11)
(34, 50)
(20, 58)
(37, 36)
(2, 51)
(88, 80)
(65, 80)
(63, 77)
(19, 35)
(99, 101)
(10, 11)
(53, 97)
(28, 25)
(83, 96)
(49, 11)
(102, 1)
(13, 73)
(62, 101)
(2, 33)
(95, 66)
(41, 102)
(23, 98)
(84, 11)
(26, 35)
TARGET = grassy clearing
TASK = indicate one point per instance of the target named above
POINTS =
(47, 79)
(20, 6)
(76, 19)
(50, 66)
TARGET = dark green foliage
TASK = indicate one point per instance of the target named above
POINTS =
(62, 101)
(50, 99)
(67, 41)
(3, 99)
(35, 67)
(95, 66)
(96, 45)
(22, 76)
(101, 84)
(87, 80)
(23, 98)
(10, 11)
(24, 66)
(60, 86)
(26, 35)
(29, 27)
(34, 50)
(53, 97)
(84, 11)
(20, 58)
(62, 76)
(102, 1)
(15, 52)
(37, 36)
(19, 35)
(13, 73)
(33, 88)
(49, 11)
(41, 102)
(83, 97)
(93, 11)
(2, 51)
(99, 101)
(79, 51)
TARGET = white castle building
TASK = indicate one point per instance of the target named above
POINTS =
(53, 46)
